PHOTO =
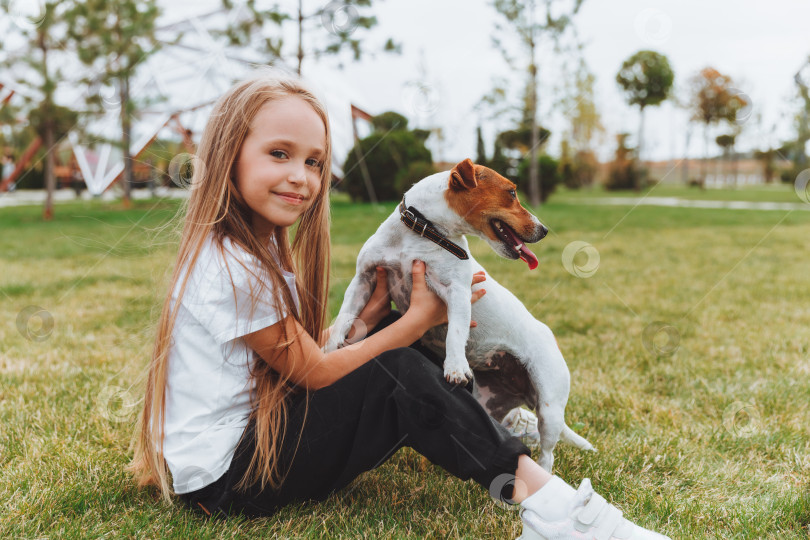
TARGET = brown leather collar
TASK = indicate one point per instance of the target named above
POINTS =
(414, 220)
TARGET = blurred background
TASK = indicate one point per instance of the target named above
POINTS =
(109, 97)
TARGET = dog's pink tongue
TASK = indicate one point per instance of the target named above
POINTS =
(524, 252)
(528, 257)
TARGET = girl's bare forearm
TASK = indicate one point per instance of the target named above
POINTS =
(341, 362)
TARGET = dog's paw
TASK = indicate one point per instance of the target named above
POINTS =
(331, 346)
(457, 373)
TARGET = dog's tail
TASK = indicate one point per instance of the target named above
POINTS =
(569, 436)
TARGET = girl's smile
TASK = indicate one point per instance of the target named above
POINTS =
(291, 198)
(279, 166)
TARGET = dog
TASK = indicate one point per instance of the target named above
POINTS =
(515, 357)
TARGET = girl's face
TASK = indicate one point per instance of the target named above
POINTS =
(278, 169)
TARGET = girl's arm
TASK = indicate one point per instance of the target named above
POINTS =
(378, 306)
(307, 366)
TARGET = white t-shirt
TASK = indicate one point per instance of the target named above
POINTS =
(209, 389)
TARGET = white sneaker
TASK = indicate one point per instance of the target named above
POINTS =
(522, 423)
(557, 512)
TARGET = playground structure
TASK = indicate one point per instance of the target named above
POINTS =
(72, 173)
(180, 83)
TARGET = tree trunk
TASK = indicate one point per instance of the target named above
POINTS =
(126, 136)
(734, 178)
(705, 164)
(801, 156)
(535, 188)
(719, 177)
(640, 144)
(50, 177)
(300, 35)
(685, 169)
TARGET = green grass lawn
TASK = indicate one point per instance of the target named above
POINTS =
(688, 345)
(775, 192)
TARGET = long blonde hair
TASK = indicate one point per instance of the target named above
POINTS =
(216, 208)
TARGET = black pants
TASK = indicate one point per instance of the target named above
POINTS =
(399, 398)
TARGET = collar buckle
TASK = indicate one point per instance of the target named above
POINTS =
(424, 226)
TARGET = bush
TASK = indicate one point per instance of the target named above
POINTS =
(32, 177)
(412, 174)
(392, 158)
(500, 163)
(549, 176)
(623, 172)
(622, 175)
(581, 171)
(788, 176)
(389, 121)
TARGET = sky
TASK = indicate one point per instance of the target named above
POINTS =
(448, 63)
(761, 45)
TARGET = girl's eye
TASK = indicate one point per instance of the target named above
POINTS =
(513, 194)
(312, 162)
(278, 154)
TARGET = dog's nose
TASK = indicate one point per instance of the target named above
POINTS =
(543, 231)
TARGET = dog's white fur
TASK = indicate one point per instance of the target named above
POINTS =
(505, 328)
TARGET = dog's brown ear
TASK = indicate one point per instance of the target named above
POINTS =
(463, 176)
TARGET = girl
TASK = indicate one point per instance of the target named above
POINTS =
(242, 408)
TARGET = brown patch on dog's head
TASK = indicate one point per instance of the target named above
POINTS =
(479, 195)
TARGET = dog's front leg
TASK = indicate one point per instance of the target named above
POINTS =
(355, 299)
(459, 311)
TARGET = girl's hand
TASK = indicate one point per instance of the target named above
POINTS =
(379, 305)
(432, 309)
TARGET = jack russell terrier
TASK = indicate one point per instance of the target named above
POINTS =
(514, 356)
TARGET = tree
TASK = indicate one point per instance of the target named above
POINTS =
(113, 37)
(726, 142)
(339, 18)
(579, 103)
(577, 170)
(802, 80)
(519, 141)
(766, 159)
(500, 162)
(714, 100)
(646, 79)
(623, 171)
(578, 162)
(523, 20)
(549, 174)
(43, 32)
(480, 148)
(394, 156)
